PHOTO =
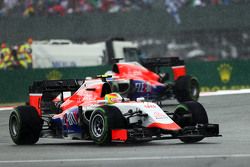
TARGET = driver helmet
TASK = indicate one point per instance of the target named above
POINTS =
(113, 98)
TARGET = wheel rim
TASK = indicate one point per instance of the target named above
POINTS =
(14, 125)
(98, 125)
(194, 89)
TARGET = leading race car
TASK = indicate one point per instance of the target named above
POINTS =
(89, 110)
(133, 80)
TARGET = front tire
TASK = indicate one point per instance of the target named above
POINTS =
(190, 114)
(102, 121)
(25, 125)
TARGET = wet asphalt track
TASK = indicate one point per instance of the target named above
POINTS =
(232, 112)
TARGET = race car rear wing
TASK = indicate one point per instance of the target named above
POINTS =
(177, 65)
(162, 62)
(42, 93)
(55, 85)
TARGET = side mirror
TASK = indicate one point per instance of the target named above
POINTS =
(140, 99)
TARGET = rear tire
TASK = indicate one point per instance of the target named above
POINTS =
(25, 125)
(187, 89)
(197, 115)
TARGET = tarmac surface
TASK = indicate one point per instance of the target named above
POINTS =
(232, 112)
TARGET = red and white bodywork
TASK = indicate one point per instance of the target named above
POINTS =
(156, 117)
(80, 109)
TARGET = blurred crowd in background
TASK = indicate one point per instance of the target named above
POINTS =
(207, 46)
(29, 8)
(17, 56)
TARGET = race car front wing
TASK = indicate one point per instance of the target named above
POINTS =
(147, 134)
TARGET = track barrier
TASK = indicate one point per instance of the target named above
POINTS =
(212, 76)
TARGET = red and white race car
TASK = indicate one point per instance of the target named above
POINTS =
(152, 82)
(78, 109)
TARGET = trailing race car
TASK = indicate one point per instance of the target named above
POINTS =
(88, 110)
(133, 80)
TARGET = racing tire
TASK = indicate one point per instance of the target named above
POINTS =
(190, 114)
(25, 125)
(187, 88)
(102, 121)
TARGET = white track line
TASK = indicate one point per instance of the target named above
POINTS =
(129, 158)
(225, 92)
(6, 108)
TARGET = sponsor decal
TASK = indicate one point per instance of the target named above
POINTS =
(150, 105)
(54, 75)
(136, 73)
(160, 115)
(87, 97)
(225, 75)
(217, 88)
(61, 63)
(71, 118)
(143, 87)
(225, 72)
